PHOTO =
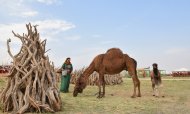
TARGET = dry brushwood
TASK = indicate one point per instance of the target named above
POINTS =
(94, 78)
(31, 85)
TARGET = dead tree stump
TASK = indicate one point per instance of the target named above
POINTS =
(31, 85)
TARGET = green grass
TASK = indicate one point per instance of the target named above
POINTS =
(3, 81)
(2, 85)
(118, 101)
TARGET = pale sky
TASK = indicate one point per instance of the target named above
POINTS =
(147, 30)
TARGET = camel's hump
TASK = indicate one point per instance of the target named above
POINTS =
(114, 52)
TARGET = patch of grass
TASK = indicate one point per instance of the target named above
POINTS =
(2, 85)
(3, 81)
(118, 99)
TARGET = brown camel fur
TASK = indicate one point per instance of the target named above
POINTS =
(112, 62)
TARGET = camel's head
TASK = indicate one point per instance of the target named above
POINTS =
(79, 86)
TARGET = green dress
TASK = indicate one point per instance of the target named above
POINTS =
(65, 77)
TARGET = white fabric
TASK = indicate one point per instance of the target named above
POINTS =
(64, 72)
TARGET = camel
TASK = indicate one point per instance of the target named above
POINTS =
(112, 62)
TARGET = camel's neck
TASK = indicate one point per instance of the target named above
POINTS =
(89, 71)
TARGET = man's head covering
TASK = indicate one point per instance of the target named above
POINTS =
(155, 64)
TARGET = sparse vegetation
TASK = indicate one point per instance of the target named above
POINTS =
(118, 100)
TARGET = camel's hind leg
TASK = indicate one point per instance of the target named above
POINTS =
(136, 83)
(131, 66)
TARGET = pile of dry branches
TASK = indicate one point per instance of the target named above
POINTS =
(31, 85)
(94, 78)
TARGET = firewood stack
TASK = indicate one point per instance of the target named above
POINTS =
(75, 75)
(94, 78)
(31, 85)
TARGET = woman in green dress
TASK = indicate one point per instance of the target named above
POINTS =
(67, 68)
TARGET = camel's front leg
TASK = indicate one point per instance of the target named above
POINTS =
(99, 87)
(101, 83)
